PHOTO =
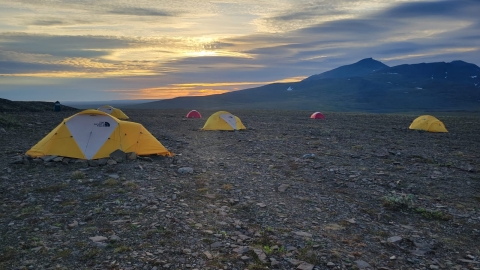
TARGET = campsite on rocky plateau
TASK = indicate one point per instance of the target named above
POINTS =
(351, 191)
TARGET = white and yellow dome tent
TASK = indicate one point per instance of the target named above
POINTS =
(114, 112)
(223, 120)
(92, 134)
(428, 123)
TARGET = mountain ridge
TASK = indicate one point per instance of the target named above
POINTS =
(437, 86)
(360, 68)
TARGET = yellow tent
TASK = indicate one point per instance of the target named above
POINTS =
(428, 123)
(92, 134)
(223, 120)
(114, 112)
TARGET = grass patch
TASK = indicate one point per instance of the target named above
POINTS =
(8, 254)
(111, 182)
(31, 210)
(227, 187)
(121, 249)
(405, 202)
(62, 254)
(92, 253)
(398, 201)
(433, 214)
(78, 175)
(69, 203)
(95, 196)
(309, 255)
(52, 188)
(8, 121)
(131, 185)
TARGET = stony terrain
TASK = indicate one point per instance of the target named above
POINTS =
(354, 191)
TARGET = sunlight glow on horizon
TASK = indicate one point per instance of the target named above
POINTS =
(194, 89)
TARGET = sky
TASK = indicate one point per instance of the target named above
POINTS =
(95, 50)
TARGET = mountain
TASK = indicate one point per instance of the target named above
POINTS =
(371, 87)
(360, 68)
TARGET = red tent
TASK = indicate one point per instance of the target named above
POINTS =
(317, 115)
(194, 114)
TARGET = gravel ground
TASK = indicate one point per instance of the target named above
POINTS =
(354, 191)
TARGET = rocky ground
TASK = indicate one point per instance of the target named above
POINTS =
(354, 191)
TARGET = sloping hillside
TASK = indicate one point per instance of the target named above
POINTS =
(360, 68)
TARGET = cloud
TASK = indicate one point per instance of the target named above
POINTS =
(61, 46)
(140, 12)
(49, 22)
(446, 8)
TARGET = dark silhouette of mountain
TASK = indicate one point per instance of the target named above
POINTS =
(29, 106)
(360, 68)
(439, 86)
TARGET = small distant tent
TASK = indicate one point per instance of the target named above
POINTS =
(194, 114)
(223, 120)
(57, 107)
(428, 123)
(114, 112)
(289, 88)
(317, 115)
(92, 134)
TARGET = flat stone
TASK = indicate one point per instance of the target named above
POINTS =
(241, 250)
(102, 161)
(330, 264)
(216, 245)
(394, 239)
(260, 254)
(131, 155)
(118, 155)
(208, 255)
(17, 160)
(114, 237)
(261, 205)
(283, 187)
(362, 264)
(81, 163)
(73, 224)
(305, 266)
(100, 244)
(111, 162)
(294, 262)
(308, 156)
(93, 163)
(98, 238)
(48, 158)
(185, 170)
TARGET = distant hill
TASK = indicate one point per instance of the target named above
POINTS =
(29, 106)
(360, 68)
(114, 103)
(371, 86)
